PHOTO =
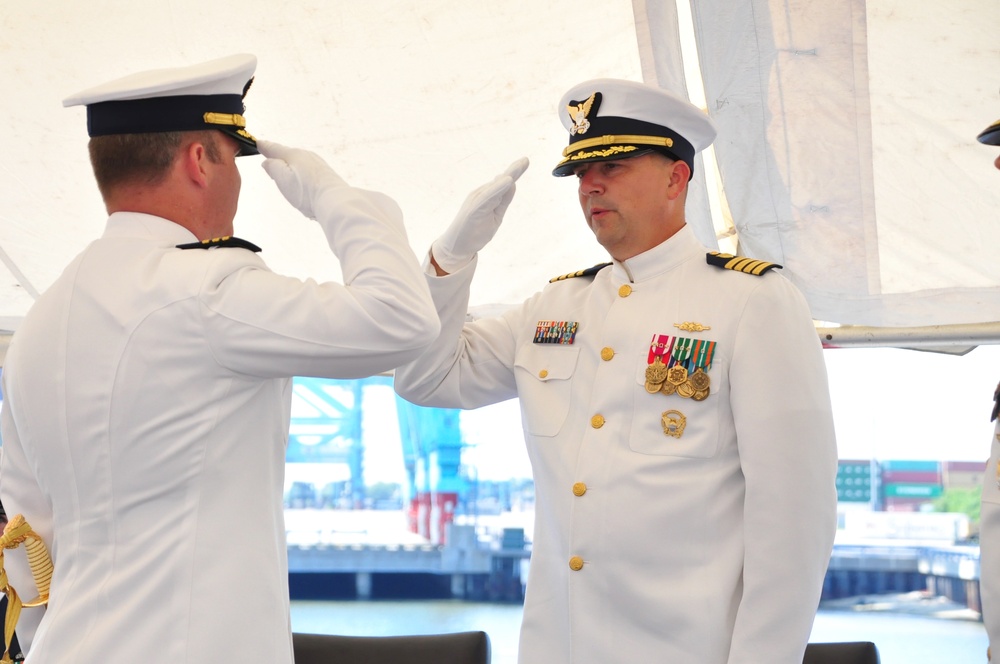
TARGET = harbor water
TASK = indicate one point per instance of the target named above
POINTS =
(908, 629)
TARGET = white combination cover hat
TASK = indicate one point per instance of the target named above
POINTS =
(615, 119)
(208, 95)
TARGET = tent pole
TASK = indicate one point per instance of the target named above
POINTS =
(946, 338)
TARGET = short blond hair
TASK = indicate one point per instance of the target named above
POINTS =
(120, 159)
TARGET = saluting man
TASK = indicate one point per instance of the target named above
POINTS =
(680, 436)
(147, 393)
(989, 521)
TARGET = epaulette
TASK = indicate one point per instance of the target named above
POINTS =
(589, 272)
(739, 263)
(227, 241)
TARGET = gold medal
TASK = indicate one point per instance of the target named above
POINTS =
(677, 375)
(700, 380)
(656, 373)
(700, 395)
(668, 388)
(652, 388)
(686, 390)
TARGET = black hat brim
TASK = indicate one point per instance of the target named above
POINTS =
(248, 146)
(990, 135)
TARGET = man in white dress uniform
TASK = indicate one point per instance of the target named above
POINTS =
(147, 393)
(989, 529)
(674, 402)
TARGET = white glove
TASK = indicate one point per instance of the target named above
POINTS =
(301, 176)
(477, 220)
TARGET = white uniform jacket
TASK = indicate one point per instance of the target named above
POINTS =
(145, 420)
(651, 547)
(989, 544)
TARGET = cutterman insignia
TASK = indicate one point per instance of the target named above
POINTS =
(589, 272)
(739, 263)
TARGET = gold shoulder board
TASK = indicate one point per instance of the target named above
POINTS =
(589, 272)
(227, 241)
(739, 263)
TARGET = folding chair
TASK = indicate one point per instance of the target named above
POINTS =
(453, 648)
(854, 652)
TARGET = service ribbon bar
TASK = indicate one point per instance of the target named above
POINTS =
(556, 332)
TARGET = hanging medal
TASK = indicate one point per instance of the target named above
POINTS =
(680, 366)
(656, 373)
(677, 373)
(702, 361)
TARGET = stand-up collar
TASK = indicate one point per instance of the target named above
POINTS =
(678, 248)
(147, 226)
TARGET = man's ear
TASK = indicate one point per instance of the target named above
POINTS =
(680, 175)
(194, 163)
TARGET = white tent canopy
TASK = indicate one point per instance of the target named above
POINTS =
(846, 152)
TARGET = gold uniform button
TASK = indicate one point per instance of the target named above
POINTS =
(579, 489)
(625, 290)
(576, 563)
(597, 421)
(543, 373)
(607, 354)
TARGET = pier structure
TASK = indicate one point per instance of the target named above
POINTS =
(476, 564)
(464, 566)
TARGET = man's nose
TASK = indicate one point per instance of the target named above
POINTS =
(590, 182)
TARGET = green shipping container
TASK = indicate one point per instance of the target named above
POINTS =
(912, 490)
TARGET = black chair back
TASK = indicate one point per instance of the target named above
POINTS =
(453, 648)
(854, 652)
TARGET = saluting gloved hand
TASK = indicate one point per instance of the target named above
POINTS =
(477, 220)
(302, 176)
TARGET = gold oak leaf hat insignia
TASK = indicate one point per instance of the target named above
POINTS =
(208, 95)
(615, 119)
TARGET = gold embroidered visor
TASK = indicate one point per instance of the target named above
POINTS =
(604, 138)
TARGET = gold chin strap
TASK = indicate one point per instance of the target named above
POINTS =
(16, 533)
